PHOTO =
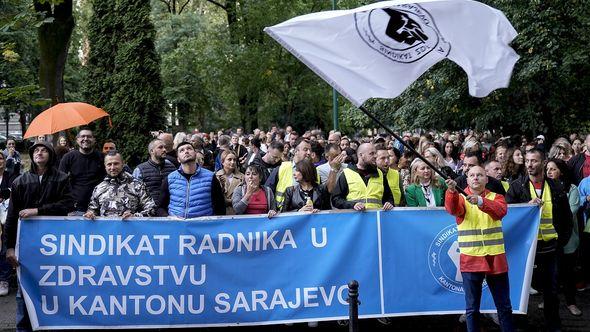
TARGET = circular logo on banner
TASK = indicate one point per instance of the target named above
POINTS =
(444, 260)
(403, 33)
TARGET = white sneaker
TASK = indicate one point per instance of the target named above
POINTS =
(312, 324)
(533, 291)
(4, 290)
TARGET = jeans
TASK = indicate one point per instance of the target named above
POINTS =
(500, 289)
(547, 271)
(22, 315)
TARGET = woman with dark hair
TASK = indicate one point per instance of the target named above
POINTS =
(451, 155)
(514, 166)
(229, 177)
(557, 170)
(307, 195)
(251, 197)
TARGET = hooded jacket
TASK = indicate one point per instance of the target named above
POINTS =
(49, 193)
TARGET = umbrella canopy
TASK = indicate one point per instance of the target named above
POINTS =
(63, 116)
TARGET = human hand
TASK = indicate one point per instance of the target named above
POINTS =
(451, 185)
(89, 215)
(336, 163)
(127, 214)
(306, 208)
(472, 199)
(272, 213)
(28, 213)
(536, 201)
(11, 151)
(359, 206)
(11, 257)
(387, 206)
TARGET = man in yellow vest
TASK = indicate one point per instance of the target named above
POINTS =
(494, 169)
(282, 177)
(481, 244)
(392, 175)
(363, 186)
(554, 230)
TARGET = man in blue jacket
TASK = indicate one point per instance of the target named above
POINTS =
(191, 191)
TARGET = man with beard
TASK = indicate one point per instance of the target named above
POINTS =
(119, 194)
(554, 231)
(153, 171)
(191, 191)
(85, 167)
(363, 186)
(392, 176)
(271, 159)
(168, 140)
(42, 191)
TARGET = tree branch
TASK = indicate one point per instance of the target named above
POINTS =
(167, 5)
(182, 7)
(217, 4)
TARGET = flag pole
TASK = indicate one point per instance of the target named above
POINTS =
(408, 146)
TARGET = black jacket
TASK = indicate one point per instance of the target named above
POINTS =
(576, 165)
(295, 198)
(51, 195)
(152, 175)
(519, 192)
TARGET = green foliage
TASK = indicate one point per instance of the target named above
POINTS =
(548, 87)
(136, 105)
(123, 74)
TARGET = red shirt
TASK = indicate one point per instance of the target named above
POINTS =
(497, 209)
(586, 167)
(257, 203)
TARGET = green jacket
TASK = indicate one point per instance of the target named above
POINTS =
(415, 195)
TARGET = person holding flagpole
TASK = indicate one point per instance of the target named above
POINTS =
(481, 244)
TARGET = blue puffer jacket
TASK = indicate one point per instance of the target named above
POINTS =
(190, 199)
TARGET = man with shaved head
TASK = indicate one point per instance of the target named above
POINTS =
(168, 140)
(363, 186)
(481, 244)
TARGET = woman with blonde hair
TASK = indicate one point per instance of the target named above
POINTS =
(437, 159)
(427, 189)
(229, 177)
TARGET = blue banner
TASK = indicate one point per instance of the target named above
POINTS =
(158, 273)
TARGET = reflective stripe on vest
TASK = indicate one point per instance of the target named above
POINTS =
(393, 181)
(358, 192)
(479, 234)
(546, 230)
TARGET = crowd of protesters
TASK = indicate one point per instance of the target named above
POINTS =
(189, 175)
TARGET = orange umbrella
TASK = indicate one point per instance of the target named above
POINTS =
(63, 116)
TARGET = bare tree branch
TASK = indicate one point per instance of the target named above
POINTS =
(182, 7)
(167, 5)
(217, 4)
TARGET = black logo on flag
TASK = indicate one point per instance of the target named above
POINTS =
(404, 33)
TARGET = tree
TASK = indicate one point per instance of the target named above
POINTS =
(54, 39)
(136, 104)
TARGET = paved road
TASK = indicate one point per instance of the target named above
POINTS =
(533, 322)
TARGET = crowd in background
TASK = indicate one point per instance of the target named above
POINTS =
(282, 170)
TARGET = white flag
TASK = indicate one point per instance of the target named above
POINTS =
(377, 51)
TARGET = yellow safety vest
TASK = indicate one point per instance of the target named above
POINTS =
(393, 181)
(371, 194)
(479, 234)
(546, 230)
(506, 185)
(285, 181)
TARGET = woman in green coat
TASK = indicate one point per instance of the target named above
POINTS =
(427, 189)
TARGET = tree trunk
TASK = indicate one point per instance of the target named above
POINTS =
(54, 41)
